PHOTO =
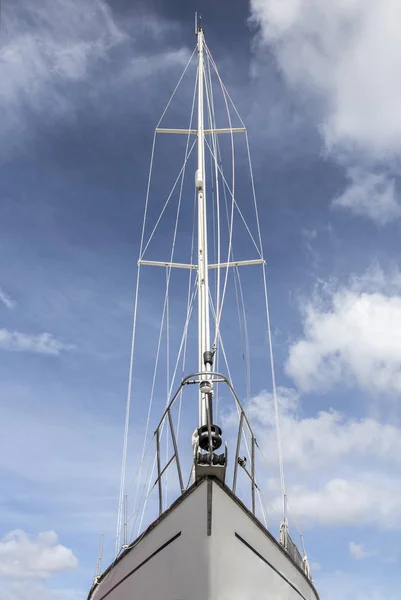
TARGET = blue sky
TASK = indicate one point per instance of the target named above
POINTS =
(82, 88)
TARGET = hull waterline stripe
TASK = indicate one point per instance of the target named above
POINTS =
(141, 564)
(270, 565)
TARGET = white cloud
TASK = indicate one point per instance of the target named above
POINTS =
(59, 45)
(6, 300)
(339, 470)
(335, 51)
(51, 49)
(327, 438)
(43, 343)
(144, 66)
(32, 591)
(353, 337)
(343, 56)
(342, 501)
(38, 558)
(372, 195)
(309, 234)
(358, 552)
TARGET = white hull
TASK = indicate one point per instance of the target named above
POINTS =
(207, 546)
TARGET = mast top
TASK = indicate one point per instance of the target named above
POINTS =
(198, 23)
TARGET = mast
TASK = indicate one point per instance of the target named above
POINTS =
(205, 388)
(209, 434)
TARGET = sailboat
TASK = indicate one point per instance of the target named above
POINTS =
(207, 544)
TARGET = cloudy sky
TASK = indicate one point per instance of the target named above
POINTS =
(83, 85)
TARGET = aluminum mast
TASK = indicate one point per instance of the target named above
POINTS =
(203, 284)
(209, 434)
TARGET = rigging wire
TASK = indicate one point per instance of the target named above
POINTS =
(262, 508)
(134, 515)
(272, 365)
(220, 294)
(236, 203)
(239, 295)
(243, 334)
(131, 361)
(216, 210)
(243, 433)
(221, 344)
(168, 272)
(270, 343)
(297, 527)
(212, 119)
(167, 201)
(141, 464)
(148, 480)
(128, 406)
(275, 400)
(176, 87)
(183, 339)
(135, 311)
(232, 204)
(247, 357)
(214, 152)
(130, 375)
(188, 311)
